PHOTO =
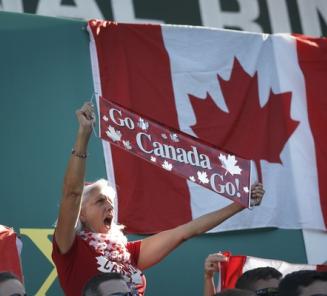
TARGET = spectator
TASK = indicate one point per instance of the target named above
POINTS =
(259, 278)
(10, 285)
(304, 283)
(107, 284)
(88, 241)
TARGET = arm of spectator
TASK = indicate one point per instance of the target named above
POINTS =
(156, 247)
(211, 265)
(74, 181)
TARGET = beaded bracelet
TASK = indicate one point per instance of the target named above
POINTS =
(79, 155)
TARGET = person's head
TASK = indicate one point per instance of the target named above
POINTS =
(107, 284)
(10, 285)
(259, 278)
(97, 210)
(304, 282)
(235, 292)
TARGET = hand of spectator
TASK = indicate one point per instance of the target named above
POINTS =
(86, 117)
(211, 264)
(257, 193)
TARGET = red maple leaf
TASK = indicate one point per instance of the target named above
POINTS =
(247, 129)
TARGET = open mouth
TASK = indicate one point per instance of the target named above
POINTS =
(107, 221)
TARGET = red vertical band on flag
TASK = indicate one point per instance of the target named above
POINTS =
(312, 54)
(135, 73)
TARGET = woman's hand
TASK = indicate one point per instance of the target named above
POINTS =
(86, 117)
(257, 193)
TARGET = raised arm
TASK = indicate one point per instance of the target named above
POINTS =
(211, 265)
(156, 247)
(74, 181)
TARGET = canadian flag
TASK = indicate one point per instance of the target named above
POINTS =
(261, 97)
(236, 265)
(10, 247)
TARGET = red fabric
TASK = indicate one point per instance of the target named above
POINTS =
(313, 62)
(79, 264)
(9, 257)
(231, 271)
(227, 95)
(141, 200)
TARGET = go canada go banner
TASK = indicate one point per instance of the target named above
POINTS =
(176, 152)
(261, 97)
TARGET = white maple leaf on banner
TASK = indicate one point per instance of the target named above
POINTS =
(105, 118)
(167, 166)
(153, 159)
(164, 136)
(203, 177)
(144, 125)
(229, 164)
(192, 178)
(113, 134)
(246, 189)
(127, 145)
(174, 137)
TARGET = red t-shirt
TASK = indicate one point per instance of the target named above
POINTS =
(82, 262)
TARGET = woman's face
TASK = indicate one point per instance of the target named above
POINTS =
(97, 211)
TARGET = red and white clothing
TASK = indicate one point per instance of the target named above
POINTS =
(10, 249)
(89, 255)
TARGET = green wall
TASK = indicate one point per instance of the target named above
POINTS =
(45, 74)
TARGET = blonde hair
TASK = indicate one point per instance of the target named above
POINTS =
(108, 191)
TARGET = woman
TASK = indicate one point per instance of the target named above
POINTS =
(86, 239)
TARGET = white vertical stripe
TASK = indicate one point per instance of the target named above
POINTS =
(98, 90)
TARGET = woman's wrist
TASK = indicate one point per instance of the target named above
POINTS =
(81, 143)
(237, 207)
(84, 131)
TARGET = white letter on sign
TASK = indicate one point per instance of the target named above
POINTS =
(309, 13)
(139, 142)
(213, 16)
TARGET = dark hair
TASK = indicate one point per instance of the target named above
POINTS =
(290, 285)
(91, 288)
(249, 278)
(6, 275)
(235, 292)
